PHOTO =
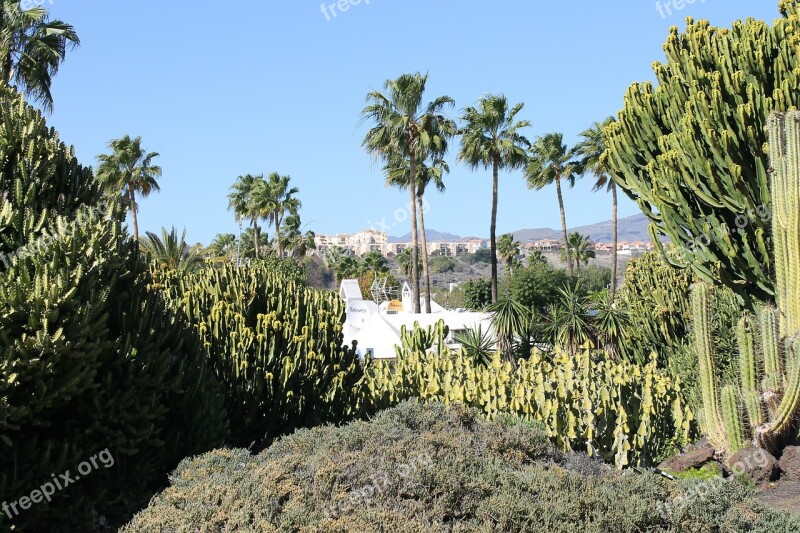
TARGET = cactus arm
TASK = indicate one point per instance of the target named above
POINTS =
(711, 420)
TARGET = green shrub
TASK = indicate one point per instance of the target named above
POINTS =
(436, 468)
(442, 265)
(477, 294)
(537, 287)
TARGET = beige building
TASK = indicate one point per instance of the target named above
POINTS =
(359, 244)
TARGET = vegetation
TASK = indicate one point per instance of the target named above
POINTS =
(477, 294)
(508, 251)
(129, 170)
(625, 413)
(171, 252)
(578, 249)
(690, 149)
(550, 162)
(89, 357)
(590, 151)
(433, 467)
(763, 407)
(32, 48)
(404, 127)
(491, 138)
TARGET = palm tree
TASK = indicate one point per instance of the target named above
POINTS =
(272, 200)
(591, 150)
(491, 138)
(403, 125)
(32, 48)
(336, 259)
(397, 173)
(128, 170)
(375, 263)
(508, 250)
(292, 238)
(222, 247)
(404, 261)
(550, 162)
(248, 243)
(240, 201)
(537, 257)
(578, 249)
(172, 253)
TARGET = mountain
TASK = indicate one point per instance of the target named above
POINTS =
(433, 236)
(632, 228)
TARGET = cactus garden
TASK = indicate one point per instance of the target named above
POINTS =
(151, 384)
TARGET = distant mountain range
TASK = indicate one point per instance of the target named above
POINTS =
(633, 228)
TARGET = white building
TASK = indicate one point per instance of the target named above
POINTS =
(376, 327)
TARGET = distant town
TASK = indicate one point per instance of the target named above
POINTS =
(367, 241)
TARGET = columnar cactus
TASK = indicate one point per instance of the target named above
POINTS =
(769, 384)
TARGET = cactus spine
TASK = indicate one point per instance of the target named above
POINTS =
(776, 390)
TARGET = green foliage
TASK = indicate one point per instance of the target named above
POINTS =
(436, 468)
(594, 278)
(89, 358)
(774, 387)
(691, 148)
(481, 256)
(275, 343)
(442, 265)
(477, 294)
(536, 287)
(170, 252)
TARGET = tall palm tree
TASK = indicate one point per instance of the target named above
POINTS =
(240, 201)
(272, 200)
(32, 48)
(171, 252)
(404, 125)
(428, 172)
(491, 138)
(551, 162)
(508, 250)
(129, 170)
(591, 150)
(578, 249)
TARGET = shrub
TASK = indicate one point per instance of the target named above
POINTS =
(537, 287)
(437, 468)
(477, 294)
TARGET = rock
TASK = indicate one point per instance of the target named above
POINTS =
(756, 463)
(790, 463)
(694, 456)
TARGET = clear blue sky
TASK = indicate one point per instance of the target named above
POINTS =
(227, 88)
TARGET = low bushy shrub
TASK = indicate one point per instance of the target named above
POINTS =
(428, 468)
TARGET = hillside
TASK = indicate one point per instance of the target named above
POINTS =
(633, 228)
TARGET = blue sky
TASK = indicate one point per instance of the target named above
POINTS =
(227, 88)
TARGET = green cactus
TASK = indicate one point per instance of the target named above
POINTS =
(690, 149)
(775, 390)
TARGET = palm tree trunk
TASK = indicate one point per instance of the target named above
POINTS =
(412, 189)
(134, 220)
(278, 237)
(256, 235)
(564, 226)
(425, 272)
(614, 238)
(493, 227)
